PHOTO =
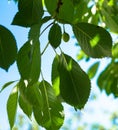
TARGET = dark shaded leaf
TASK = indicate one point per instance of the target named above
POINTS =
(74, 82)
(50, 115)
(28, 61)
(46, 19)
(95, 41)
(55, 35)
(12, 106)
(29, 13)
(93, 69)
(8, 48)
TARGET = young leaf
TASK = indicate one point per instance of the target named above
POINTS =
(6, 85)
(95, 41)
(26, 107)
(74, 82)
(12, 106)
(50, 115)
(8, 48)
(28, 61)
(55, 35)
(93, 69)
(30, 13)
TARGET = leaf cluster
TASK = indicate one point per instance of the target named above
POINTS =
(70, 83)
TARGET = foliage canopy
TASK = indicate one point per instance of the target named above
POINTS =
(70, 83)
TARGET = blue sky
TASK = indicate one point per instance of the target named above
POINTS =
(7, 12)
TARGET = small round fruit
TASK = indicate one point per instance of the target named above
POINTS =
(66, 37)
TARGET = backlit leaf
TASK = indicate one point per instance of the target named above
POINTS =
(92, 70)
(34, 95)
(74, 82)
(95, 41)
(28, 61)
(8, 48)
(26, 107)
(50, 115)
(108, 79)
(110, 13)
(55, 76)
(6, 85)
(12, 106)
(115, 50)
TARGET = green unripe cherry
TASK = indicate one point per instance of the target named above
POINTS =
(65, 37)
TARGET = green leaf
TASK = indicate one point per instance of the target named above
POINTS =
(74, 82)
(55, 75)
(12, 106)
(28, 61)
(50, 115)
(8, 48)
(26, 107)
(66, 11)
(110, 16)
(93, 69)
(34, 32)
(55, 35)
(115, 50)
(95, 41)
(46, 19)
(30, 96)
(22, 85)
(34, 95)
(29, 13)
(108, 79)
(6, 85)
(81, 7)
(51, 6)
